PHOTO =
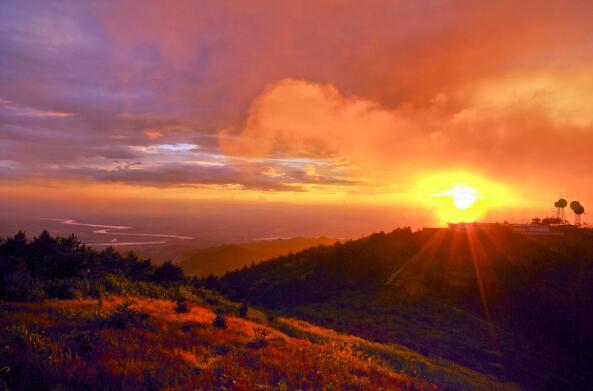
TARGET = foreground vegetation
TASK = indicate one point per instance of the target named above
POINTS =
(76, 318)
(512, 306)
(47, 267)
(149, 345)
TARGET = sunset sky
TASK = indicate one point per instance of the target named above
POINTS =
(314, 102)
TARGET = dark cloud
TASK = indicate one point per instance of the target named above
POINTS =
(194, 175)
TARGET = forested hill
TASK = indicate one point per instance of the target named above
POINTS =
(518, 307)
(72, 317)
(220, 259)
(63, 267)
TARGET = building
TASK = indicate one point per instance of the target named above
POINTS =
(523, 229)
(536, 230)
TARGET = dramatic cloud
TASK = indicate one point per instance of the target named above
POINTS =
(532, 131)
(354, 98)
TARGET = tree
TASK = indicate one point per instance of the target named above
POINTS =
(15, 246)
(168, 272)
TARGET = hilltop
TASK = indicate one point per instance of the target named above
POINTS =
(218, 260)
(513, 306)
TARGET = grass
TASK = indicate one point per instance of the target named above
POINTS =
(394, 357)
(428, 328)
(77, 344)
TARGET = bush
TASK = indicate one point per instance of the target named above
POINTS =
(21, 338)
(168, 273)
(96, 292)
(243, 309)
(123, 317)
(63, 289)
(120, 285)
(25, 354)
(181, 306)
(188, 327)
(17, 283)
(220, 321)
(260, 335)
(83, 342)
(222, 349)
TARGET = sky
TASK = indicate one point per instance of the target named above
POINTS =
(337, 103)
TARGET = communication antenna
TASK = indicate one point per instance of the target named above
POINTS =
(578, 213)
(578, 210)
(560, 206)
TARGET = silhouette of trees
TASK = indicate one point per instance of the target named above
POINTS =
(168, 273)
(62, 267)
(546, 220)
(319, 273)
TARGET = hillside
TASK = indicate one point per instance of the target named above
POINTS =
(493, 300)
(218, 260)
(72, 317)
(149, 345)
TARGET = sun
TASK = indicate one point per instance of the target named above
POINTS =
(463, 196)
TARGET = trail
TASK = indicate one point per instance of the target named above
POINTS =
(397, 272)
(115, 230)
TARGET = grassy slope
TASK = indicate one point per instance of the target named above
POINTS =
(220, 259)
(65, 342)
(535, 290)
(398, 358)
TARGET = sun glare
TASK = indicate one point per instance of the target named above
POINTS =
(462, 197)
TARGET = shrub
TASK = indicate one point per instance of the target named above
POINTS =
(96, 292)
(83, 342)
(168, 273)
(17, 283)
(25, 355)
(188, 327)
(222, 349)
(23, 339)
(243, 309)
(259, 340)
(181, 305)
(211, 300)
(220, 321)
(123, 317)
(63, 289)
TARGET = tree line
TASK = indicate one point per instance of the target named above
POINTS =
(63, 267)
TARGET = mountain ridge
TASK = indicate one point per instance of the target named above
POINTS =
(482, 298)
(220, 259)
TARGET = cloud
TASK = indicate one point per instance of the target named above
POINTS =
(153, 134)
(193, 174)
(533, 134)
(327, 92)
(178, 147)
(45, 114)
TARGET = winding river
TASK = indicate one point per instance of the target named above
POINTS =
(116, 230)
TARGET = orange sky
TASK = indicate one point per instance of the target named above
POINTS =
(324, 102)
